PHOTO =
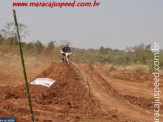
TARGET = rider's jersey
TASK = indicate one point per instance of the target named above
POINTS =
(65, 50)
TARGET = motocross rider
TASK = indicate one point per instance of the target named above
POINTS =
(65, 49)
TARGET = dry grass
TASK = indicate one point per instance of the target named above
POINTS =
(137, 68)
(130, 68)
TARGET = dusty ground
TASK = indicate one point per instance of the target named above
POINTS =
(114, 96)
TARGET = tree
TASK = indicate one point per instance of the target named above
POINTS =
(38, 47)
(104, 51)
(51, 45)
(141, 53)
(1, 39)
(12, 41)
(101, 50)
(9, 30)
(29, 46)
(49, 48)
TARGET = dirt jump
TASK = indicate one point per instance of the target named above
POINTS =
(80, 94)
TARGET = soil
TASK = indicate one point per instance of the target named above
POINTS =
(70, 100)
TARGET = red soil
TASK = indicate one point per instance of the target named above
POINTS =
(68, 100)
(68, 95)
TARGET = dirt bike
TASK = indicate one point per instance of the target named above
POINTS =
(66, 58)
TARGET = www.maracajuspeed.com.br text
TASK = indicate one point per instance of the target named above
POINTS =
(56, 4)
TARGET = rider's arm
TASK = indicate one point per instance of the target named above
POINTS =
(63, 49)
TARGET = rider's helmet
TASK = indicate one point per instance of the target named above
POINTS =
(67, 45)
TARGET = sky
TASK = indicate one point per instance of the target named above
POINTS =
(115, 24)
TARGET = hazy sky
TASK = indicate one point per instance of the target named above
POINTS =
(115, 24)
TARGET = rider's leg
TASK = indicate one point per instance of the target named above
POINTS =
(63, 56)
(67, 57)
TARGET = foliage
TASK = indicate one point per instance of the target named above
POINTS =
(138, 55)
(50, 48)
(38, 47)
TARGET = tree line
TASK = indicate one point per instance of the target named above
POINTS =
(139, 54)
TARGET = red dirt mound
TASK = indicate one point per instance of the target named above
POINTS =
(67, 93)
(68, 89)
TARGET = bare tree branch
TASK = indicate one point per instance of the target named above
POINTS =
(9, 30)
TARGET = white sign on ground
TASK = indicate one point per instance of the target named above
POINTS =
(43, 81)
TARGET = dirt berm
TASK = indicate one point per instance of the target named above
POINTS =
(68, 99)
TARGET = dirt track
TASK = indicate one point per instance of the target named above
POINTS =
(113, 96)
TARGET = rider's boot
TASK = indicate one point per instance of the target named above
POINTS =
(63, 60)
